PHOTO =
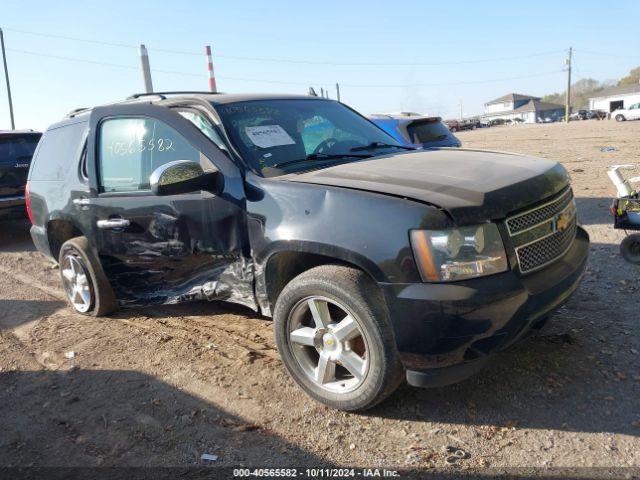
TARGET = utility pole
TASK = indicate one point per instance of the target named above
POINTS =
(146, 69)
(338, 91)
(212, 78)
(6, 77)
(567, 103)
(461, 116)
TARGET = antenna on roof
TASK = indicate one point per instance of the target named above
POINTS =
(312, 92)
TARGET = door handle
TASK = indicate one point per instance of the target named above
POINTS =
(113, 223)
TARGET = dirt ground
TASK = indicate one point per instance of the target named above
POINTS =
(163, 385)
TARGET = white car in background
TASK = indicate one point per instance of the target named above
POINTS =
(631, 113)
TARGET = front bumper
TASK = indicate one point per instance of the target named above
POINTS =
(444, 332)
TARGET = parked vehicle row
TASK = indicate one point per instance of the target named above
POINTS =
(467, 124)
(588, 115)
(377, 261)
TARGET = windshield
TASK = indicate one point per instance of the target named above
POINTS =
(294, 135)
(423, 132)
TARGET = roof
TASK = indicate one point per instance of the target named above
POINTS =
(618, 90)
(538, 106)
(223, 98)
(213, 98)
(19, 132)
(512, 97)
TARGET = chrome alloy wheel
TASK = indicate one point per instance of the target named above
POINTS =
(329, 344)
(76, 283)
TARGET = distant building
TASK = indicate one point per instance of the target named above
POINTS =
(613, 98)
(526, 108)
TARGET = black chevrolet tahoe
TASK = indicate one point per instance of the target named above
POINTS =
(16, 150)
(376, 262)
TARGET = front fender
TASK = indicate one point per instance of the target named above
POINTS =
(366, 229)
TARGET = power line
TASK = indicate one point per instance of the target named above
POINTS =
(603, 54)
(446, 84)
(290, 60)
(283, 82)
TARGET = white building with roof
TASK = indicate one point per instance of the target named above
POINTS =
(526, 108)
(613, 98)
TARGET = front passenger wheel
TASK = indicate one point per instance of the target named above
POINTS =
(335, 339)
(620, 118)
(85, 284)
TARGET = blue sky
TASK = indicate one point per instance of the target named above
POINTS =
(388, 56)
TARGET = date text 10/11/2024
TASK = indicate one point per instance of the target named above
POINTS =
(316, 472)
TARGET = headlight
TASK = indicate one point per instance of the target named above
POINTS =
(459, 253)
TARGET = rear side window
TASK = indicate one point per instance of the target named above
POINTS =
(422, 132)
(17, 148)
(59, 149)
(130, 149)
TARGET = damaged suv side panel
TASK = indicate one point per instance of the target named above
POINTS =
(161, 249)
(331, 222)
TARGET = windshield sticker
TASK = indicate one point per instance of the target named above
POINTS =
(268, 136)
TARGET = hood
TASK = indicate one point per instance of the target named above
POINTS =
(472, 185)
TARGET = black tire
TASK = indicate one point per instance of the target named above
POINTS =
(102, 299)
(620, 118)
(454, 129)
(353, 289)
(630, 248)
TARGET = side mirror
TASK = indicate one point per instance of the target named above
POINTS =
(184, 176)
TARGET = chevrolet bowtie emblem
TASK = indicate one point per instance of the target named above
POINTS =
(562, 221)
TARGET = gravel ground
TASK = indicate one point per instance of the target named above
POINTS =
(161, 386)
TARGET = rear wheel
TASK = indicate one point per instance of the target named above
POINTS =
(334, 337)
(620, 118)
(87, 288)
(630, 248)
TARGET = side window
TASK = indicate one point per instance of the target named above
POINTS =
(58, 148)
(130, 149)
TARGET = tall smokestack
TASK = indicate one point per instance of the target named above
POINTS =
(212, 78)
(146, 69)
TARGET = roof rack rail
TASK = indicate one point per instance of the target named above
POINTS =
(164, 94)
(77, 111)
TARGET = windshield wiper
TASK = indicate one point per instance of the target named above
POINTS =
(319, 156)
(377, 145)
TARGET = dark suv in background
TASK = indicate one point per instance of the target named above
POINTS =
(377, 261)
(16, 150)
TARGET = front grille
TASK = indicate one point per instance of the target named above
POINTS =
(543, 234)
(531, 218)
(545, 251)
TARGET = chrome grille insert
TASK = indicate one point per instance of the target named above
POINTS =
(541, 214)
(545, 233)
